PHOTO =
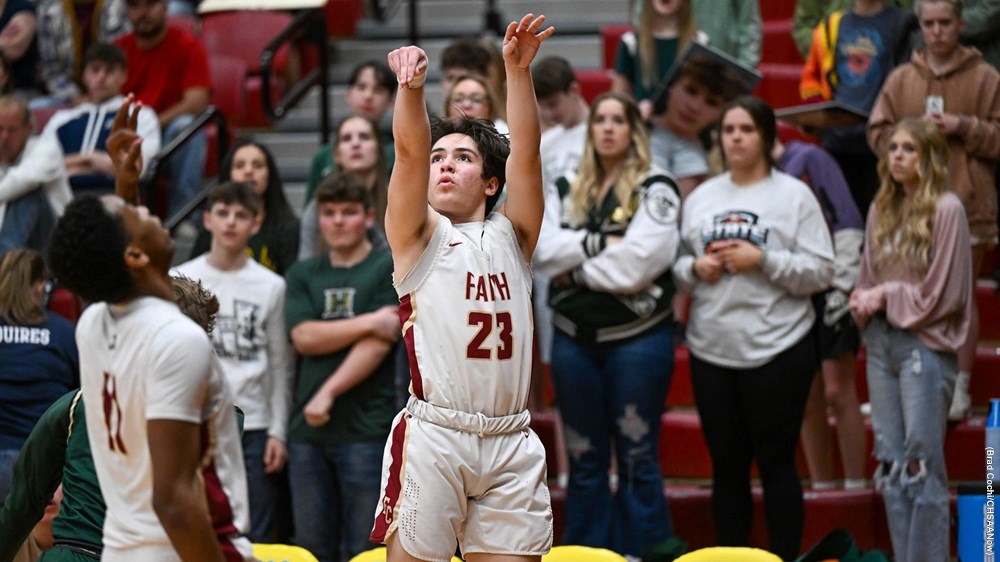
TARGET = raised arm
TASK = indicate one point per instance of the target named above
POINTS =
(409, 220)
(525, 202)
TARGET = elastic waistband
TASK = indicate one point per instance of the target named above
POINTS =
(79, 547)
(478, 423)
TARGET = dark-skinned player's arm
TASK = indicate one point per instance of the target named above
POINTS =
(178, 387)
(525, 202)
(124, 147)
(409, 220)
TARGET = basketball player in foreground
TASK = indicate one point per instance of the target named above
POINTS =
(461, 464)
(158, 419)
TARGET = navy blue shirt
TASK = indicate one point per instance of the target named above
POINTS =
(38, 364)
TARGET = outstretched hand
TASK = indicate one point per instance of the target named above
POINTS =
(522, 39)
(124, 149)
(410, 66)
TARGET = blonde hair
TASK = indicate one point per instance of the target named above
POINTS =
(585, 188)
(491, 96)
(904, 225)
(20, 270)
(686, 32)
(195, 301)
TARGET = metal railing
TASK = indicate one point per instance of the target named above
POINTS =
(148, 184)
(311, 26)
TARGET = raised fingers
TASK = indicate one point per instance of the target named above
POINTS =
(121, 116)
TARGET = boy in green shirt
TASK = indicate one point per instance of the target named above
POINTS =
(341, 311)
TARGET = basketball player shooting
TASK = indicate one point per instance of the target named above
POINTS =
(461, 464)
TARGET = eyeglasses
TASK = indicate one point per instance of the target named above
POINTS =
(474, 99)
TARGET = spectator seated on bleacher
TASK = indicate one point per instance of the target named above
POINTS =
(17, 42)
(81, 133)
(65, 35)
(167, 69)
(33, 187)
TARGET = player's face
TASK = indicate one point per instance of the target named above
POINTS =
(367, 97)
(741, 141)
(357, 147)
(610, 131)
(231, 225)
(250, 166)
(14, 133)
(904, 157)
(692, 108)
(103, 81)
(344, 225)
(144, 230)
(457, 188)
(940, 27)
(469, 98)
(148, 17)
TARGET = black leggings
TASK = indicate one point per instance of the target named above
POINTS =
(749, 414)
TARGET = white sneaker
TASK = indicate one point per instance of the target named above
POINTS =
(961, 403)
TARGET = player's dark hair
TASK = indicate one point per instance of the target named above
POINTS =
(763, 119)
(552, 75)
(111, 55)
(384, 77)
(234, 193)
(343, 188)
(466, 53)
(492, 146)
(87, 252)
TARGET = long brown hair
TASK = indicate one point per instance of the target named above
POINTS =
(687, 30)
(585, 188)
(20, 270)
(904, 225)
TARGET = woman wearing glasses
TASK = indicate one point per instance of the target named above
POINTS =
(472, 96)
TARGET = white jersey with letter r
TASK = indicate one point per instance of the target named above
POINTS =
(465, 309)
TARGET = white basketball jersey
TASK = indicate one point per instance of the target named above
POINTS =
(144, 361)
(466, 314)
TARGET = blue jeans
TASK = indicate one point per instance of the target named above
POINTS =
(187, 165)
(611, 397)
(28, 221)
(263, 489)
(910, 388)
(335, 489)
(7, 458)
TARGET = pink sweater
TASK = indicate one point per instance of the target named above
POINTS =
(938, 306)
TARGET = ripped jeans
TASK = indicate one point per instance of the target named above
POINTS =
(910, 388)
(610, 398)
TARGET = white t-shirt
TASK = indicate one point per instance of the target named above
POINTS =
(147, 361)
(466, 311)
(251, 340)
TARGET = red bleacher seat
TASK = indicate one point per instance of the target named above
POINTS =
(988, 302)
(228, 85)
(65, 304)
(771, 10)
(780, 84)
(217, 32)
(788, 132)
(777, 43)
(342, 17)
(610, 34)
(547, 426)
(593, 82)
(41, 115)
(681, 393)
(990, 263)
